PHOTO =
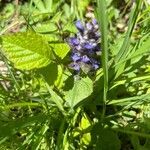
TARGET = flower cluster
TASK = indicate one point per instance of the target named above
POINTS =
(85, 46)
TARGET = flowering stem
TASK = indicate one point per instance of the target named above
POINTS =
(102, 20)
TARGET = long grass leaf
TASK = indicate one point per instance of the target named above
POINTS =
(103, 22)
(132, 20)
(124, 50)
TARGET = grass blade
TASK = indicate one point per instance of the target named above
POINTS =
(124, 50)
(103, 22)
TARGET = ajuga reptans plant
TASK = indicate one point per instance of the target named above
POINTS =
(85, 46)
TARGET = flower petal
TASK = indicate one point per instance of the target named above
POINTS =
(76, 56)
(73, 41)
(79, 25)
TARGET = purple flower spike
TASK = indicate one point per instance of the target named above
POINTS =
(79, 25)
(74, 41)
(85, 47)
(85, 59)
(76, 56)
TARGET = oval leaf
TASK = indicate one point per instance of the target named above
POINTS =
(82, 89)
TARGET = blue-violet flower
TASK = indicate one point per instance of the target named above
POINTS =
(85, 45)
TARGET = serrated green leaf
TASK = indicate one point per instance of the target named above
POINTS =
(60, 49)
(27, 50)
(82, 89)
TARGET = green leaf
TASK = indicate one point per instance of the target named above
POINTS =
(82, 89)
(60, 49)
(105, 139)
(48, 5)
(83, 4)
(49, 73)
(56, 99)
(45, 27)
(27, 50)
(39, 4)
(70, 27)
(84, 124)
(135, 100)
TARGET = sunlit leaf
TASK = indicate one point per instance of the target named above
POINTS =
(60, 49)
(82, 89)
(27, 50)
